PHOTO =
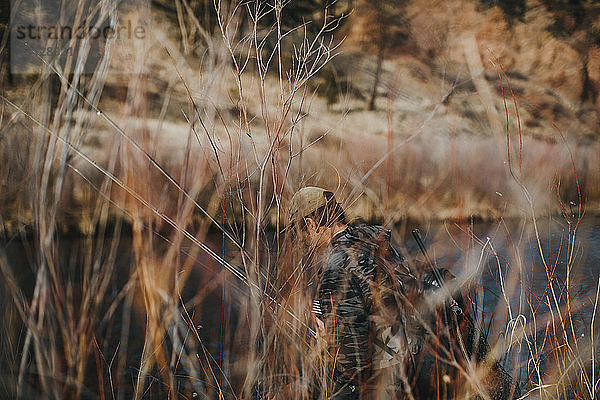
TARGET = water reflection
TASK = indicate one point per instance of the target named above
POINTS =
(487, 256)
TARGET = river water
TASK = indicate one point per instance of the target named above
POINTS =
(489, 256)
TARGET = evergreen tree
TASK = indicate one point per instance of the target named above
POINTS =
(385, 29)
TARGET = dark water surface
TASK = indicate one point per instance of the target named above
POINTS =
(491, 255)
(556, 269)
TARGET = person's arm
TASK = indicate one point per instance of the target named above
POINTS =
(345, 306)
(404, 302)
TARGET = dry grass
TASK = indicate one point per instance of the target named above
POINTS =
(181, 284)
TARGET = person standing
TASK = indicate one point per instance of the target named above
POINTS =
(386, 335)
(363, 286)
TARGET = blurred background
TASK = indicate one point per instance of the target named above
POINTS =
(455, 91)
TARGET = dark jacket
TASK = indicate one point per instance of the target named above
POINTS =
(366, 286)
(361, 289)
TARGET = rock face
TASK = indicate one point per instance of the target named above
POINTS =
(547, 55)
(498, 88)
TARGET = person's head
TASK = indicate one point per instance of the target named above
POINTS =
(315, 216)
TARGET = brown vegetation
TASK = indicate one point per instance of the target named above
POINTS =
(476, 116)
